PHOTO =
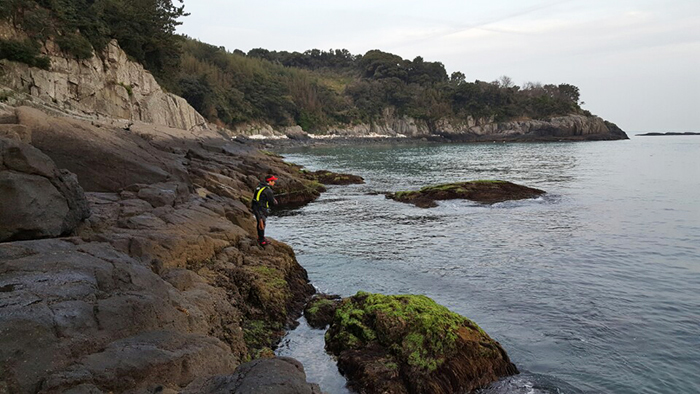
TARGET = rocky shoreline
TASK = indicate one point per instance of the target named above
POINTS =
(155, 278)
(284, 142)
(145, 276)
(128, 260)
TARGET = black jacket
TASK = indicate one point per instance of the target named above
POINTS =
(263, 199)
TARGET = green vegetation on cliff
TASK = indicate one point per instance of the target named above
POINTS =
(317, 90)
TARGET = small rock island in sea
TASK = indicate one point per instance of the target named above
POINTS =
(484, 191)
(408, 344)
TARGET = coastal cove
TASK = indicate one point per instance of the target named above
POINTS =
(455, 233)
(591, 288)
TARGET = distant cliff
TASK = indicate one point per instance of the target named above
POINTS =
(571, 127)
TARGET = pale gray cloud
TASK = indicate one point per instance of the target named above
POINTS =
(636, 61)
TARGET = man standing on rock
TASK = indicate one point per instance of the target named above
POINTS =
(262, 198)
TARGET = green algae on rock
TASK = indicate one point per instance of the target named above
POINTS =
(319, 311)
(484, 191)
(410, 344)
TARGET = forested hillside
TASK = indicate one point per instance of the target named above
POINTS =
(316, 89)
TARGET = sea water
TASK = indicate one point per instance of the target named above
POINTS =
(593, 288)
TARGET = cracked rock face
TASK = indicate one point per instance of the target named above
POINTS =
(88, 314)
(110, 85)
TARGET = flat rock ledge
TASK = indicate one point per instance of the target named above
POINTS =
(409, 344)
(483, 191)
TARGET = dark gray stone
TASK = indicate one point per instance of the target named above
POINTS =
(30, 207)
(36, 199)
(281, 375)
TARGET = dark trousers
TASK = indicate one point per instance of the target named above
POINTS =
(260, 223)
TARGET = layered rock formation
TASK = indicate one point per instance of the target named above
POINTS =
(102, 87)
(571, 127)
(163, 283)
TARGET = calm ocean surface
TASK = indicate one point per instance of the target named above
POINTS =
(594, 288)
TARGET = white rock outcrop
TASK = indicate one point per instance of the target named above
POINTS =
(110, 86)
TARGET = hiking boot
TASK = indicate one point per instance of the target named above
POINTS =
(263, 242)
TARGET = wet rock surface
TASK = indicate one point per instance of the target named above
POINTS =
(319, 311)
(487, 192)
(410, 344)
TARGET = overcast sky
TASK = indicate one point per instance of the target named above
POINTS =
(637, 62)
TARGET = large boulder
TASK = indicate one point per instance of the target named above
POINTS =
(409, 344)
(36, 199)
(282, 375)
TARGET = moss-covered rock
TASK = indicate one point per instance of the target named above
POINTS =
(271, 292)
(293, 192)
(484, 191)
(333, 178)
(320, 310)
(410, 344)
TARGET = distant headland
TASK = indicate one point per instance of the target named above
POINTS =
(669, 133)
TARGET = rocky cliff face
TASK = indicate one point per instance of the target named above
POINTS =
(110, 86)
